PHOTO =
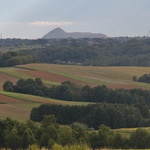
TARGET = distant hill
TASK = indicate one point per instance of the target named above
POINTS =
(59, 33)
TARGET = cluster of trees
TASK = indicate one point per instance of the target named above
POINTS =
(14, 58)
(112, 115)
(28, 86)
(144, 78)
(96, 52)
(72, 92)
(49, 134)
(19, 42)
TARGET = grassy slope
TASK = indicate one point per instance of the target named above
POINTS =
(126, 132)
(96, 75)
(21, 111)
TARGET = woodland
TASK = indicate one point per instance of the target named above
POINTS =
(88, 52)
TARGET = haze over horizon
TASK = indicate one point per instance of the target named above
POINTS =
(34, 18)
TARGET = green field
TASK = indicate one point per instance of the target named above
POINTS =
(126, 132)
(21, 110)
(114, 77)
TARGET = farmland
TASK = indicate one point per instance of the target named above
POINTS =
(114, 77)
(19, 106)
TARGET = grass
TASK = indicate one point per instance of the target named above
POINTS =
(21, 111)
(11, 71)
(126, 132)
(96, 75)
(19, 96)
(38, 99)
(86, 74)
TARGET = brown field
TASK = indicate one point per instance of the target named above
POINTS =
(6, 99)
(4, 78)
(18, 106)
(113, 77)
(49, 76)
(19, 111)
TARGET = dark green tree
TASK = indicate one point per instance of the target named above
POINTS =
(140, 139)
(27, 138)
(106, 136)
(8, 86)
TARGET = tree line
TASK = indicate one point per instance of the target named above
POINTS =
(12, 58)
(93, 115)
(49, 134)
(144, 78)
(95, 52)
(70, 91)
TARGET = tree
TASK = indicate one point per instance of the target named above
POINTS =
(106, 136)
(38, 81)
(8, 86)
(12, 139)
(134, 78)
(44, 139)
(120, 142)
(48, 120)
(65, 135)
(79, 131)
(140, 139)
(27, 138)
(143, 109)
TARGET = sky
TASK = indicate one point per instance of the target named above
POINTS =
(32, 19)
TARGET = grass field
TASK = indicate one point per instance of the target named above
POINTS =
(114, 77)
(126, 132)
(18, 106)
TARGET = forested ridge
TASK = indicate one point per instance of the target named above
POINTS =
(96, 52)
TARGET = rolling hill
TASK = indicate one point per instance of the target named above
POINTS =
(18, 106)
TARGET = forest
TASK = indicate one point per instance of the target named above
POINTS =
(93, 115)
(88, 52)
(96, 52)
(12, 58)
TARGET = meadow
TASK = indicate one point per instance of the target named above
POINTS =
(51, 74)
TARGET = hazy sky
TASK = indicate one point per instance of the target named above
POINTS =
(34, 18)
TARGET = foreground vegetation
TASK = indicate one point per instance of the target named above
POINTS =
(51, 135)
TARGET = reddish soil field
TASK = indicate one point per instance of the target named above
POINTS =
(7, 99)
(14, 112)
(50, 76)
(4, 78)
